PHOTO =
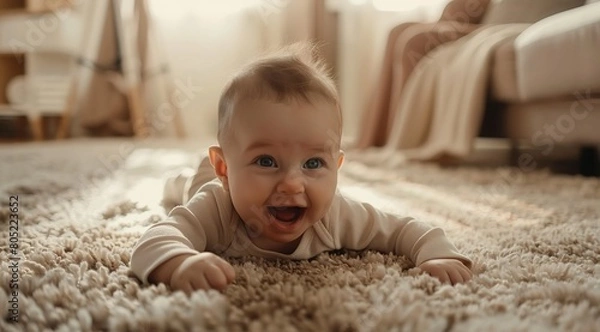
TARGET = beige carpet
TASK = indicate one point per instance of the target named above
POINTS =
(535, 238)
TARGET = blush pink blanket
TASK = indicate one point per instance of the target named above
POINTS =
(442, 104)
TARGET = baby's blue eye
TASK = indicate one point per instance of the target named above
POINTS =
(314, 163)
(266, 161)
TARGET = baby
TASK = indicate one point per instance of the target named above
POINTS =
(274, 194)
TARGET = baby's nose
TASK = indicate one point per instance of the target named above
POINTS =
(292, 183)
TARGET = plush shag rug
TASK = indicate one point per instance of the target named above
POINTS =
(535, 238)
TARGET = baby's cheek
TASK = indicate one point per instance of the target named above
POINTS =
(324, 200)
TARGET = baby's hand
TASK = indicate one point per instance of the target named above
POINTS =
(202, 271)
(447, 270)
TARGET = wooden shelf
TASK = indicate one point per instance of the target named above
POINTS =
(11, 110)
(18, 126)
(18, 7)
(12, 4)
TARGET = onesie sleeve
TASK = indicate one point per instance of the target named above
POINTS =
(195, 227)
(358, 226)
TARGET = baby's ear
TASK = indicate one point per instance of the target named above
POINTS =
(217, 160)
(340, 160)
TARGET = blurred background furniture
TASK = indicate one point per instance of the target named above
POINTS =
(545, 86)
(544, 83)
(122, 84)
(407, 44)
(35, 61)
(93, 68)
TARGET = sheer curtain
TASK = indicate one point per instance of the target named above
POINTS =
(206, 41)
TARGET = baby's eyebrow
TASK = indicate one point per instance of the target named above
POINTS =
(258, 145)
(266, 144)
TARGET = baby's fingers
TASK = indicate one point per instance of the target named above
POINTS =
(459, 274)
(183, 285)
(199, 282)
(466, 273)
(227, 270)
(455, 276)
(437, 272)
(216, 277)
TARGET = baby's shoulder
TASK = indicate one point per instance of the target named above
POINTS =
(212, 199)
(213, 188)
(346, 210)
(338, 211)
(343, 204)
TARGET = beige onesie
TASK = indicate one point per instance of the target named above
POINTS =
(208, 222)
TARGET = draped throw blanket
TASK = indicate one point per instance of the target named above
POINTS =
(442, 104)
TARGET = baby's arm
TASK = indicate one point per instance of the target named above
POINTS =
(174, 251)
(361, 226)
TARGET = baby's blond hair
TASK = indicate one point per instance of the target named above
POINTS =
(291, 73)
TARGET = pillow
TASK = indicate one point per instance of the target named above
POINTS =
(525, 11)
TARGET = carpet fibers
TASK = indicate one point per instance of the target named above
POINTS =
(82, 204)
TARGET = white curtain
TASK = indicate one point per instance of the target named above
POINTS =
(206, 41)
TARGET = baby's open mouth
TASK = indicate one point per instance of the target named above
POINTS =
(286, 213)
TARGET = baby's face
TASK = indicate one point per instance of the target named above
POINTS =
(282, 161)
